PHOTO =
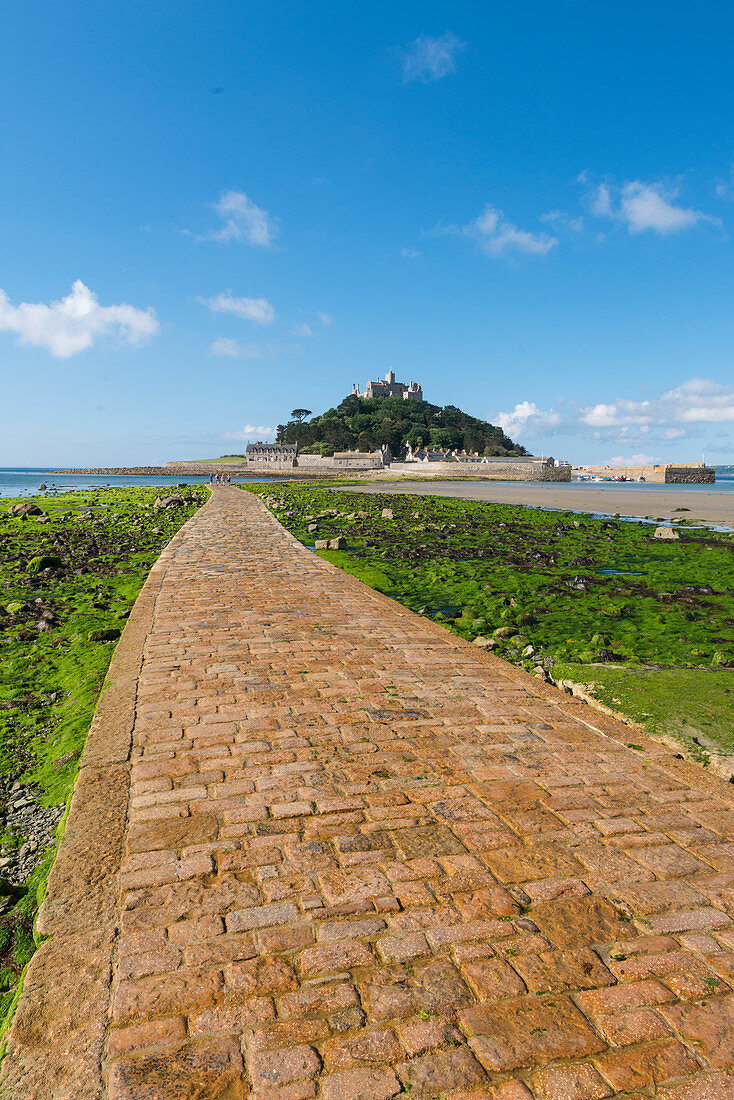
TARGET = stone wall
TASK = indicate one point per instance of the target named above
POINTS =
(499, 471)
(691, 473)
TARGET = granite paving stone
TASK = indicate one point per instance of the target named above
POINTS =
(363, 858)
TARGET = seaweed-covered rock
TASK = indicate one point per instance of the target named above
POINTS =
(15, 607)
(505, 632)
(25, 510)
(44, 561)
(108, 634)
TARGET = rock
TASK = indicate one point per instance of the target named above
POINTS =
(528, 651)
(312, 527)
(526, 618)
(338, 543)
(665, 533)
(605, 655)
(44, 561)
(386, 513)
(168, 502)
(43, 519)
(505, 632)
(485, 643)
(110, 634)
(322, 544)
(25, 510)
(43, 485)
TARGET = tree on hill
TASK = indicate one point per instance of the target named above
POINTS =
(365, 424)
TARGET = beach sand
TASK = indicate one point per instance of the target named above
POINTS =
(656, 501)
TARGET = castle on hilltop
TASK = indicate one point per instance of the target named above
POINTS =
(390, 388)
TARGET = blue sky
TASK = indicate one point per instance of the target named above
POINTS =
(214, 213)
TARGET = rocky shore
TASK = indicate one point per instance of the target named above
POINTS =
(130, 471)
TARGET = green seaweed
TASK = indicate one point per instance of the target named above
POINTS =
(646, 624)
(67, 585)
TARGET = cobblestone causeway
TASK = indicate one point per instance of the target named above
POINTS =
(363, 860)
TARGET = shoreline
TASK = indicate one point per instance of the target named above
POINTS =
(631, 501)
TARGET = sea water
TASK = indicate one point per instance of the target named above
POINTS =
(26, 482)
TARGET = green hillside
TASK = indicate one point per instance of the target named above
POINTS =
(366, 424)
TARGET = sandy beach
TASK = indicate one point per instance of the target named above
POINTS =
(703, 502)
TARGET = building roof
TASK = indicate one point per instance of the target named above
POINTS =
(272, 447)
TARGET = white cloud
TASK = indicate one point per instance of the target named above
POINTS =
(527, 420)
(600, 202)
(258, 310)
(311, 330)
(250, 432)
(562, 222)
(230, 349)
(75, 323)
(243, 221)
(429, 59)
(725, 188)
(496, 236)
(409, 253)
(679, 413)
(623, 412)
(645, 206)
(633, 460)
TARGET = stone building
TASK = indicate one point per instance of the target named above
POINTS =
(350, 460)
(363, 460)
(462, 456)
(388, 387)
(284, 454)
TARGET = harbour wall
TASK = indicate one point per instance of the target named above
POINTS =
(494, 471)
(693, 473)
